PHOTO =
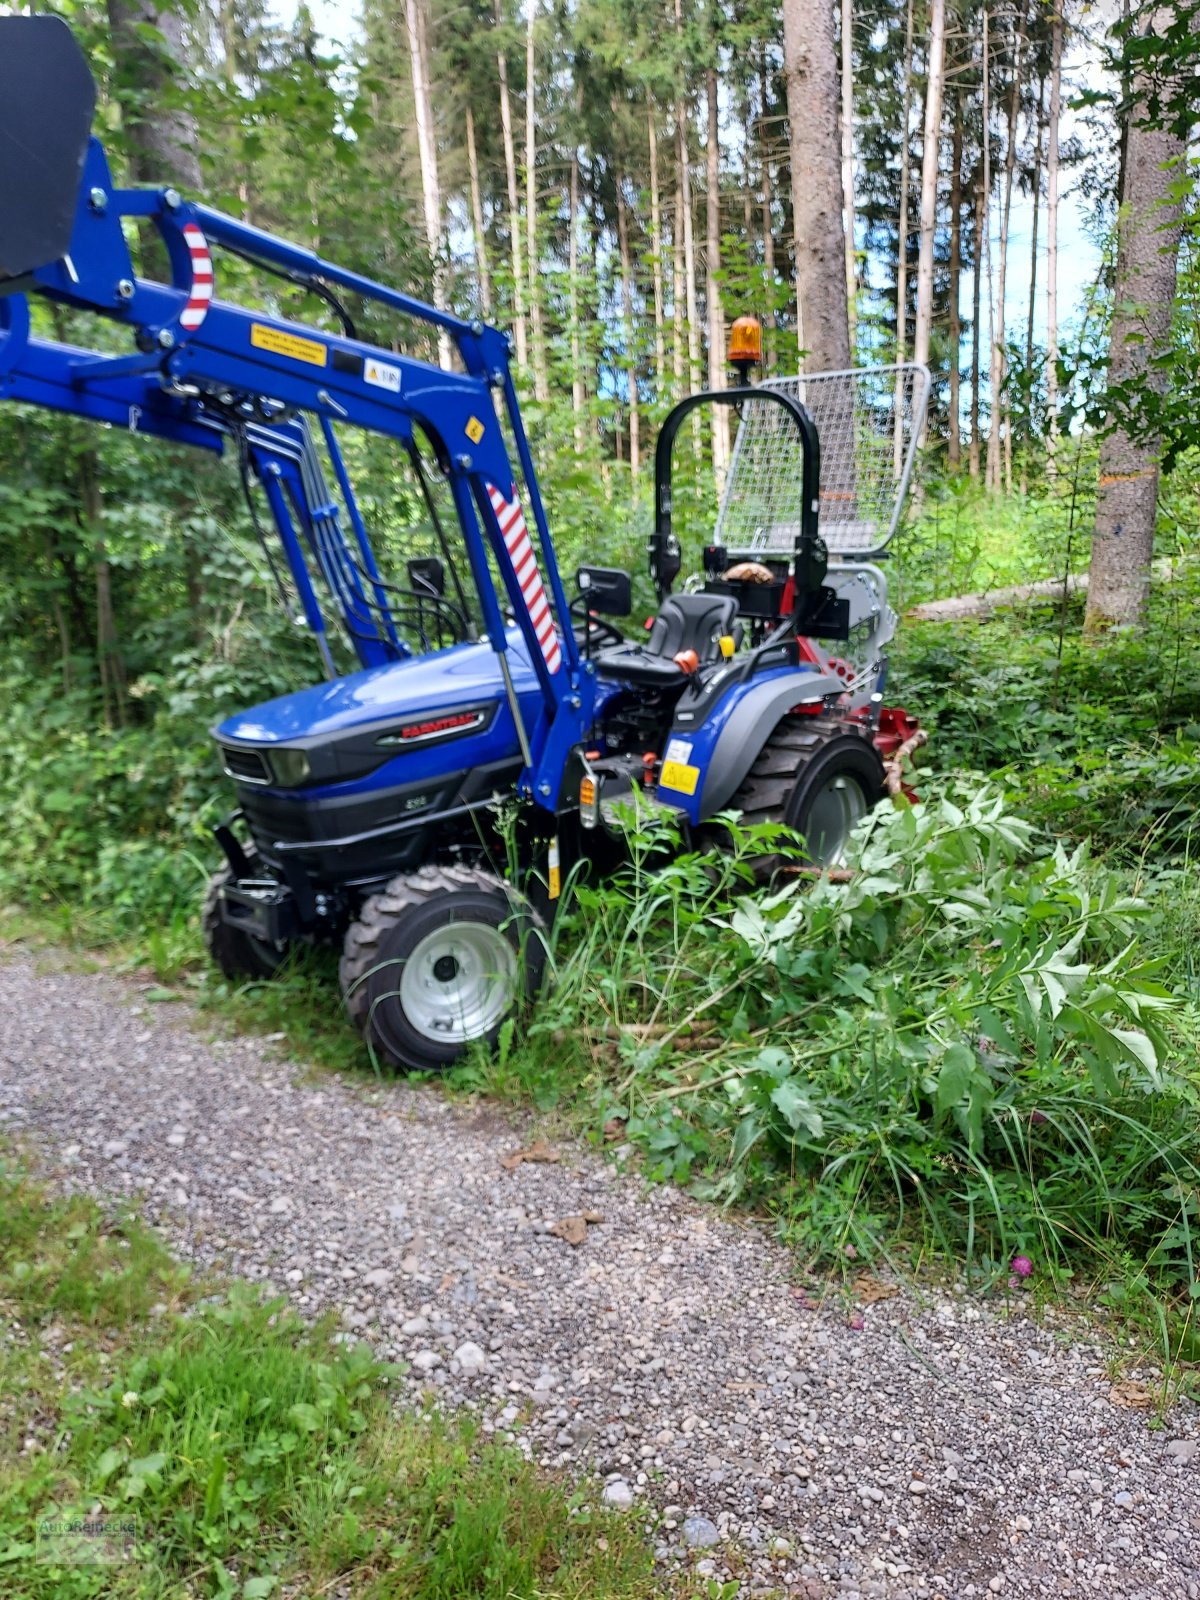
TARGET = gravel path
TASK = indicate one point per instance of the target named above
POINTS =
(941, 1450)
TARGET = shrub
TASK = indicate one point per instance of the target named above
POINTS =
(964, 1034)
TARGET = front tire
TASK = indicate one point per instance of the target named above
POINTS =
(438, 960)
(818, 775)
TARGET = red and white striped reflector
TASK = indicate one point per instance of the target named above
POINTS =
(520, 552)
(196, 309)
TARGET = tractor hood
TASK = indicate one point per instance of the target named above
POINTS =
(460, 678)
(426, 717)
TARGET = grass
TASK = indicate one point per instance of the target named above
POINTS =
(258, 1456)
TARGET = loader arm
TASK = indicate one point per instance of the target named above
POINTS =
(201, 371)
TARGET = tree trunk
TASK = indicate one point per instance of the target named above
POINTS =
(678, 292)
(986, 247)
(537, 333)
(1027, 441)
(1148, 236)
(630, 335)
(953, 426)
(481, 256)
(431, 193)
(109, 659)
(578, 396)
(768, 203)
(902, 247)
(999, 443)
(689, 241)
(811, 79)
(514, 207)
(930, 151)
(656, 252)
(163, 143)
(847, 86)
(977, 321)
(1052, 129)
(712, 288)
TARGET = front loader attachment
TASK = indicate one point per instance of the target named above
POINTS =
(47, 97)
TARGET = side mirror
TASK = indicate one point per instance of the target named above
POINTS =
(606, 589)
(427, 576)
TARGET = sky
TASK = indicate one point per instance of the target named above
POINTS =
(1078, 253)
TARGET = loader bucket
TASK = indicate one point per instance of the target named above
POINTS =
(47, 97)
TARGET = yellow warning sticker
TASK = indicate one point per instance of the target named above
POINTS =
(287, 344)
(475, 430)
(679, 776)
(554, 875)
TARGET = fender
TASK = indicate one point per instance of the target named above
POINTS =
(704, 764)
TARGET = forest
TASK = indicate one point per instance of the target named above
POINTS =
(616, 183)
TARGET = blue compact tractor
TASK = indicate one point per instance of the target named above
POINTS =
(418, 813)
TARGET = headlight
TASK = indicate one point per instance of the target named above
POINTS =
(290, 767)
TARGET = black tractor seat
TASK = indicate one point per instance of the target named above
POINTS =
(684, 622)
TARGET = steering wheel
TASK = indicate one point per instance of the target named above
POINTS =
(601, 632)
(591, 628)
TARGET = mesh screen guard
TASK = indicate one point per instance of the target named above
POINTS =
(869, 421)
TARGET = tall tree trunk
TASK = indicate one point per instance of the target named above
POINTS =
(847, 86)
(162, 137)
(1052, 130)
(431, 193)
(656, 252)
(514, 206)
(593, 318)
(537, 333)
(977, 321)
(811, 79)
(953, 423)
(986, 245)
(902, 247)
(629, 334)
(477, 221)
(999, 443)
(678, 291)
(712, 287)
(768, 204)
(689, 241)
(577, 390)
(1148, 234)
(111, 662)
(930, 151)
(1027, 441)
(161, 134)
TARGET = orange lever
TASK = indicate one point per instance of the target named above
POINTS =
(687, 661)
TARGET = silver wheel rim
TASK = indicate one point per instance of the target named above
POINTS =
(837, 805)
(459, 982)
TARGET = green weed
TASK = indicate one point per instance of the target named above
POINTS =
(963, 1041)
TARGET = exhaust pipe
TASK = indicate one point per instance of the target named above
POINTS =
(47, 98)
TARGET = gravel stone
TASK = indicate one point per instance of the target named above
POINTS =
(930, 1453)
(471, 1359)
(619, 1495)
(699, 1533)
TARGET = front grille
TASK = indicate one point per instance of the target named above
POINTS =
(247, 766)
(293, 819)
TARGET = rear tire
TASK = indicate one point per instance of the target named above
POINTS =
(818, 776)
(236, 953)
(437, 960)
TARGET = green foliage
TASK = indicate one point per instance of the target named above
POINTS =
(1097, 738)
(963, 1037)
(260, 1456)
